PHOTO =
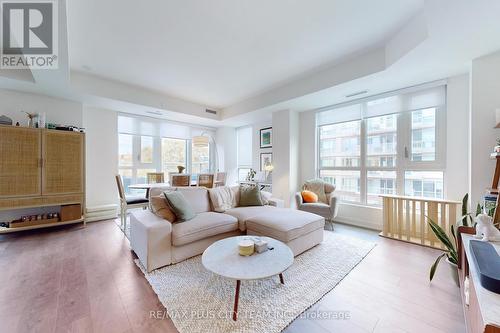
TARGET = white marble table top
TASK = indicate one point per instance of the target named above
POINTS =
(222, 258)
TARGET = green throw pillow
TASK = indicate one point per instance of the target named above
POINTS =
(250, 196)
(179, 205)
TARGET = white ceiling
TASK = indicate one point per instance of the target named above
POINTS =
(220, 52)
(249, 59)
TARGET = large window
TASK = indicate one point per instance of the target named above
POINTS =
(146, 145)
(200, 159)
(340, 145)
(423, 135)
(173, 154)
(388, 145)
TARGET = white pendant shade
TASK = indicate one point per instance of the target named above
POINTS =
(200, 141)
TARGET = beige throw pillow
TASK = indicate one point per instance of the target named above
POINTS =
(159, 206)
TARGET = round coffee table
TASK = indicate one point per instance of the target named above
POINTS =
(222, 258)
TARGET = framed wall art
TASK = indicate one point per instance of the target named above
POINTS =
(266, 137)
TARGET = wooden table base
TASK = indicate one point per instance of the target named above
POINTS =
(237, 296)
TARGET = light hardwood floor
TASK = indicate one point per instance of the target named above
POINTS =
(84, 280)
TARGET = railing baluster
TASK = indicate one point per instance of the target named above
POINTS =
(385, 216)
(443, 221)
(452, 216)
(400, 218)
(390, 215)
(404, 218)
(413, 218)
(422, 222)
(394, 220)
(407, 229)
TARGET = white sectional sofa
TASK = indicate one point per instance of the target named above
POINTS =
(157, 242)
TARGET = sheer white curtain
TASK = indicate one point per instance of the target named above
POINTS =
(403, 100)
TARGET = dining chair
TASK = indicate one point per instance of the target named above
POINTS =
(155, 177)
(180, 180)
(220, 179)
(206, 180)
(128, 202)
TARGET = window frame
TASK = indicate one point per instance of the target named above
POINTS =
(403, 152)
(156, 165)
(190, 155)
(342, 168)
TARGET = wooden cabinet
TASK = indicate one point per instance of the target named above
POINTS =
(62, 166)
(20, 162)
(40, 167)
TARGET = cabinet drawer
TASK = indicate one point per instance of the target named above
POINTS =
(55, 200)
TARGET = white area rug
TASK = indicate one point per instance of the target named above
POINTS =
(200, 301)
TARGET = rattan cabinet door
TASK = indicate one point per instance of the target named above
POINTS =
(20, 153)
(62, 170)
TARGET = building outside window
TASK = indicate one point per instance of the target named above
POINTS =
(200, 159)
(376, 147)
(173, 154)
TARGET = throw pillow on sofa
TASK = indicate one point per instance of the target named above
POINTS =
(309, 197)
(180, 206)
(266, 196)
(222, 198)
(159, 207)
(318, 187)
(250, 196)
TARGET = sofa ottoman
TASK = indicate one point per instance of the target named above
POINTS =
(299, 230)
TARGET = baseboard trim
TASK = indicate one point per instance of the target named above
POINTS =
(357, 223)
(100, 213)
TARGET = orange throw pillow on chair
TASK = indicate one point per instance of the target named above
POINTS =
(309, 197)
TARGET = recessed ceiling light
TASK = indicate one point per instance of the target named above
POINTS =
(357, 93)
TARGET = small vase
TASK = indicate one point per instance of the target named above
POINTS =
(454, 272)
(41, 120)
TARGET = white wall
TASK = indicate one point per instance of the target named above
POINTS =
(101, 156)
(227, 148)
(285, 155)
(457, 147)
(485, 98)
(58, 111)
(256, 150)
(307, 146)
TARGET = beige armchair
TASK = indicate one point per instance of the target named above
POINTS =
(328, 209)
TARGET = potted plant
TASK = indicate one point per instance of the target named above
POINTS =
(451, 245)
(497, 147)
(251, 175)
(450, 253)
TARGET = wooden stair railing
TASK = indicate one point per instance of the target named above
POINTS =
(404, 218)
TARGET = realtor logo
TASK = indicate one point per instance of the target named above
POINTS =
(29, 34)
